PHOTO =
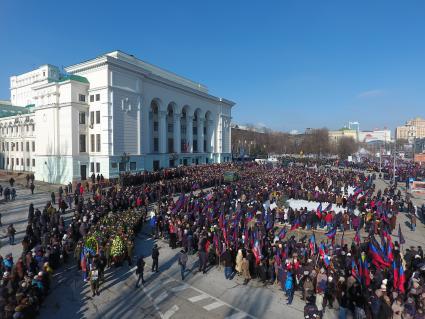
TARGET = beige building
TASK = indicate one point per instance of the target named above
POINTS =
(412, 129)
(335, 136)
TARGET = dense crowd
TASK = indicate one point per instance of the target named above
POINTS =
(244, 225)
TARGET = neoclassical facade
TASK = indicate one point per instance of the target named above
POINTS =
(112, 114)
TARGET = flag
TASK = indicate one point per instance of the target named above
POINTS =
(328, 208)
(401, 278)
(390, 246)
(282, 233)
(357, 237)
(319, 211)
(331, 234)
(313, 244)
(377, 258)
(357, 191)
(322, 250)
(400, 236)
(365, 272)
(355, 271)
(257, 252)
(395, 275)
(296, 224)
(327, 260)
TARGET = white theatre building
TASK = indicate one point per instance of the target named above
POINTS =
(111, 114)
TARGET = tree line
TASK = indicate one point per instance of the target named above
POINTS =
(314, 142)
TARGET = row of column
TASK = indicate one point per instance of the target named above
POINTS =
(163, 133)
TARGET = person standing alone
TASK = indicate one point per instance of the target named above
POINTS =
(155, 257)
(139, 271)
(182, 262)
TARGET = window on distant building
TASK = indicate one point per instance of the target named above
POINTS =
(33, 146)
(27, 146)
(92, 167)
(97, 117)
(98, 167)
(97, 142)
(33, 162)
(155, 144)
(17, 161)
(92, 143)
(155, 126)
(17, 146)
(91, 98)
(81, 98)
(7, 161)
(82, 118)
(91, 117)
(28, 162)
(132, 166)
(97, 97)
(82, 143)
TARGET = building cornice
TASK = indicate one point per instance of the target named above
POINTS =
(104, 60)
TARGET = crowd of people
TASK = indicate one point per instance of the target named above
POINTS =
(244, 224)
(239, 225)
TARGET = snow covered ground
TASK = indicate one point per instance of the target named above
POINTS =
(301, 203)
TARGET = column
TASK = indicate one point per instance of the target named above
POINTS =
(146, 129)
(189, 133)
(177, 132)
(162, 131)
(210, 141)
(200, 124)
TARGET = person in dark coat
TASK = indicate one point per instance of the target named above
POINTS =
(226, 259)
(155, 257)
(139, 271)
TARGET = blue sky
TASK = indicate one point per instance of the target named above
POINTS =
(287, 64)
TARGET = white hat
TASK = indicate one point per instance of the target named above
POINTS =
(385, 281)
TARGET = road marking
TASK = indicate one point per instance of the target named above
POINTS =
(170, 312)
(150, 291)
(198, 298)
(238, 315)
(179, 288)
(213, 305)
(161, 297)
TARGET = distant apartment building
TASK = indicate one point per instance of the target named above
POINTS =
(411, 130)
(335, 136)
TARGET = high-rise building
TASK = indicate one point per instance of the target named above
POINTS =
(411, 130)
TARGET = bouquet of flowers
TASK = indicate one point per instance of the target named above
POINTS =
(117, 247)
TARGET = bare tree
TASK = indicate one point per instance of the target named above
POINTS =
(346, 146)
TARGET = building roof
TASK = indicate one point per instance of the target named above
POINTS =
(73, 77)
(7, 110)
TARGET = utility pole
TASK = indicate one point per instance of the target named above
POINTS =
(395, 154)
(380, 160)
